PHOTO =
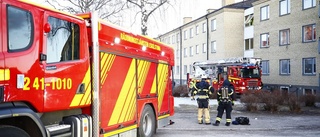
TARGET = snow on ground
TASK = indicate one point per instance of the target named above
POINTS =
(188, 101)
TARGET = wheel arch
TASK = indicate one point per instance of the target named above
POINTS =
(20, 115)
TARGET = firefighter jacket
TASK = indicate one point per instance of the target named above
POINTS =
(203, 90)
(226, 93)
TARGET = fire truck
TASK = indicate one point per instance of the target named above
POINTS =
(244, 73)
(77, 75)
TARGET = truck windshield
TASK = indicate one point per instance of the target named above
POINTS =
(249, 73)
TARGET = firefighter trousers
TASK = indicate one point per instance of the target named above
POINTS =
(224, 106)
(203, 111)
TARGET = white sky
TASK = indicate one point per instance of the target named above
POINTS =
(172, 18)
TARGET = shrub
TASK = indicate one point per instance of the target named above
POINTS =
(309, 100)
(271, 100)
(180, 91)
(250, 101)
(293, 103)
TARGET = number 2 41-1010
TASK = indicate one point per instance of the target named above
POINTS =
(55, 83)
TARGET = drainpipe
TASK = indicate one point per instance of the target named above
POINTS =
(180, 33)
(207, 36)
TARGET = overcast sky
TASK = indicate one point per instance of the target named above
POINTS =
(172, 18)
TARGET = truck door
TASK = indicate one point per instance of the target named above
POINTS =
(67, 71)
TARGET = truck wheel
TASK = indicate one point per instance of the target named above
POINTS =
(147, 122)
(11, 131)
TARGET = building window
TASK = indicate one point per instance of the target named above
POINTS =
(248, 44)
(204, 27)
(309, 33)
(178, 53)
(185, 69)
(197, 30)
(197, 49)
(213, 25)
(248, 20)
(309, 91)
(284, 37)
(191, 32)
(185, 36)
(185, 52)
(309, 66)
(264, 13)
(213, 46)
(191, 51)
(178, 70)
(265, 66)
(264, 40)
(169, 40)
(190, 72)
(204, 48)
(284, 66)
(178, 37)
(284, 7)
(308, 4)
(173, 39)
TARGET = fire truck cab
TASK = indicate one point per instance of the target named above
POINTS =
(244, 73)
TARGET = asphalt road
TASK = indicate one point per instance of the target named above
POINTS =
(305, 124)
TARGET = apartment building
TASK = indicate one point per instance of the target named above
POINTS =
(217, 35)
(285, 37)
(281, 32)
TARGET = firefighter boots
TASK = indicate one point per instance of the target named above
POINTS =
(217, 123)
(228, 124)
(200, 113)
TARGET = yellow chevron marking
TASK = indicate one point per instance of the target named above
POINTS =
(120, 131)
(80, 97)
(106, 63)
(127, 92)
(143, 67)
(4, 74)
(163, 74)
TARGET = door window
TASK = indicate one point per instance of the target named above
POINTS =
(62, 41)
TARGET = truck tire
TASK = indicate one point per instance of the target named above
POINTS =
(147, 122)
(11, 131)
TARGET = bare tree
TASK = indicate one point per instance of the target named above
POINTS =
(146, 8)
(107, 9)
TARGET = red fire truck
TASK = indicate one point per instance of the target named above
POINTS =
(244, 73)
(75, 75)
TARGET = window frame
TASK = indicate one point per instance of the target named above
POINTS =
(213, 46)
(287, 37)
(197, 49)
(266, 68)
(313, 4)
(204, 47)
(313, 33)
(268, 40)
(204, 27)
(267, 13)
(213, 25)
(313, 66)
(191, 51)
(197, 29)
(288, 6)
(281, 61)
(250, 44)
(191, 32)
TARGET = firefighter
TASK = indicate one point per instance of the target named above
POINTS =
(203, 90)
(191, 85)
(225, 99)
